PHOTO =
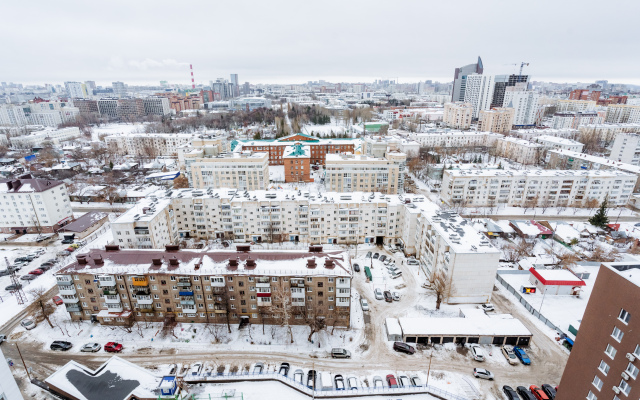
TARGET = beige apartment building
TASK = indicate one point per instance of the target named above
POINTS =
(245, 171)
(348, 173)
(150, 224)
(520, 150)
(458, 115)
(497, 120)
(148, 144)
(117, 287)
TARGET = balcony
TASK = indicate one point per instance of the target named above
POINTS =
(115, 307)
(297, 283)
(343, 293)
(64, 280)
(109, 291)
(141, 291)
(68, 290)
(297, 294)
(145, 309)
(264, 301)
(189, 308)
(71, 299)
(187, 302)
(112, 298)
(106, 280)
(144, 299)
(217, 281)
(263, 284)
(140, 281)
(184, 284)
(343, 301)
(73, 307)
(297, 302)
(343, 283)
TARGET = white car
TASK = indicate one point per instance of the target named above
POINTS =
(412, 261)
(487, 307)
(90, 348)
(377, 382)
(195, 369)
(477, 353)
(508, 353)
(352, 383)
(364, 304)
(415, 380)
(28, 324)
(297, 376)
(378, 293)
(396, 296)
(387, 261)
(395, 274)
(403, 381)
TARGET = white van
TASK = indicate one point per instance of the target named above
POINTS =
(325, 381)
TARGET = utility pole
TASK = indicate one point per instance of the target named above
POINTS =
(25, 365)
(429, 369)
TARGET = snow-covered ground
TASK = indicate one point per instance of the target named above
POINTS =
(114, 129)
(323, 130)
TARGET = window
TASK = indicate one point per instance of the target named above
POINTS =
(617, 334)
(624, 387)
(604, 367)
(591, 396)
(624, 316)
(611, 351)
(636, 352)
(597, 382)
(632, 371)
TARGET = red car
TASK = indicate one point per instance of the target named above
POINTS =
(36, 272)
(57, 300)
(70, 249)
(392, 382)
(538, 393)
(113, 347)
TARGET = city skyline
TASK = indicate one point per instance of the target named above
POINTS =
(358, 43)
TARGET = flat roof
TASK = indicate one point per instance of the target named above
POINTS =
(474, 323)
(557, 277)
(84, 222)
(628, 270)
(515, 173)
(459, 233)
(603, 161)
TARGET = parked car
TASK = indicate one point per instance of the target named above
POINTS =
(416, 381)
(403, 348)
(338, 381)
(28, 277)
(376, 255)
(113, 347)
(382, 258)
(195, 369)
(40, 251)
(477, 353)
(524, 393)
(508, 353)
(356, 267)
(8, 271)
(36, 272)
(392, 382)
(482, 374)
(396, 296)
(352, 383)
(377, 292)
(258, 367)
(487, 307)
(3, 338)
(284, 369)
(522, 355)
(13, 287)
(28, 324)
(368, 255)
(403, 381)
(387, 261)
(57, 300)
(67, 241)
(60, 345)
(538, 393)
(45, 267)
(312, 375)
(549, 390)
(91, 348)
(340, 353)
(377, 382)
(387, 296)
(412, 261)
(392, 268)
(364, 304)
(396, 274)
(510, 393)
(298, 375)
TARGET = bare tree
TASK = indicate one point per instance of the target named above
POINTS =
(46, 307)
(223, 303)
(282, 308)
(441, 286)
(181, 182)
(562, 258)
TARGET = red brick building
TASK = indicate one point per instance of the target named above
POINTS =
(580, 94)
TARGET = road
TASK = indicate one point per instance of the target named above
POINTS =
(547, 367)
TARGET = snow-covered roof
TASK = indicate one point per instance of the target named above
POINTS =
(393, 326)
(474, 323)
(116, 379)
(560, 277)
(628, 270)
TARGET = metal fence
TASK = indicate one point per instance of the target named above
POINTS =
(523, 301)
(321, 393)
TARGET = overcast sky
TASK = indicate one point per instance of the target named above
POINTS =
(140, 41)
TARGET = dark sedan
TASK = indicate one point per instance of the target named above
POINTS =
(60, 345)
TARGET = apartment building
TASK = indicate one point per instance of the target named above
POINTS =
(244, 171)
(531, 134)
(30, 205)
(447, 138)
(180, 103)
(150, 224)
(86, 106)
(626, 148)
(497, 120)
(348, 172)
(558, 143)
(249, 103)
(156, 106)
(574, 120)
(479, 92)
(297, 163)
(458, 115)
(37, 138)
(608, 132)
(502, 82)
(575, 105)
(551, 188)
(623, 114)
(519, 150)
(564, 159)
(122, 109)
(12, 115)
(460, 79)
(604, 359)
(318, 148)
(524, 102)
(148, 144)
(580, 94)
(378, 146)
(76, 90)
(446, 242)
(117, 287)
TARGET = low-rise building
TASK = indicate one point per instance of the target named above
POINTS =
(117, 287)
(244, 171)
(348, 172)
(519, 150)
(576, 105)
(37, 138)
(297, 165)
(574, 119)
(549, 188)
(564, 159)
(148, 144)
(33, 205)
(497, 120)
(558, 143)
(448, 138)
(626, 148)
(249, 103)
(458, 115)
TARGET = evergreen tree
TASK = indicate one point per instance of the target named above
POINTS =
(600, 218)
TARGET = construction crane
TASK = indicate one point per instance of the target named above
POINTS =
(522, 65)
